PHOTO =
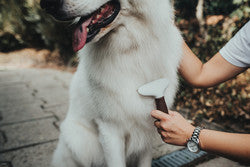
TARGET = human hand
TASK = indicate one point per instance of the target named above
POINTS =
(173, 127)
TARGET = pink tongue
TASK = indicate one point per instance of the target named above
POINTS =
(80, 35)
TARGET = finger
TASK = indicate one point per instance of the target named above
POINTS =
(171, 112)
(157, 123)
(159, 131)
(174, 113)
(165, 138)
(159, 115)
(164, 134)
(161, 125)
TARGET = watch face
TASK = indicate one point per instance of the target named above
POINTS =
(192, 146)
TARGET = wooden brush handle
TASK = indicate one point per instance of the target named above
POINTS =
(161, 105)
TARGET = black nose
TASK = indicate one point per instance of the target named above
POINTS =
(51, 6)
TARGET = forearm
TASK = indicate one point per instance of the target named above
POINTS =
(231, 145)
(213, 72)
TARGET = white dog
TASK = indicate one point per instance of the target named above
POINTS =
(132, 43)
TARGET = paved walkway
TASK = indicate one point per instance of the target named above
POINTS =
(32, 104)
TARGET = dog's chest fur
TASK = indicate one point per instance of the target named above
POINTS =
(112, 77)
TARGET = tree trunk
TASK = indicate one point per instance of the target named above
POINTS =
(200, 18)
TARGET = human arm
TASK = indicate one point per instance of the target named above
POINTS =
(213, 72)
(174, 129)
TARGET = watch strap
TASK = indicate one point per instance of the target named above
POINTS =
(196, 134)
(193, 141)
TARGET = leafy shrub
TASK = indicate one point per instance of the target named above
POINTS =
(229, 102)
(24, 24)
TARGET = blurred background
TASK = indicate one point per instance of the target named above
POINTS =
(29, 38)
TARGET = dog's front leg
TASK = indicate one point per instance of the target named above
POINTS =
(113, 144)
(145, 159)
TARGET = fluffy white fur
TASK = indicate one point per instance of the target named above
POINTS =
(109, 123)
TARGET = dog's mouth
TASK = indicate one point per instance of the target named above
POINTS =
(89, 26)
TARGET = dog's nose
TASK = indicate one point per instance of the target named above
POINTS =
(51, 5)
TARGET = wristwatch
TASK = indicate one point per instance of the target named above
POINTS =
(193, 142)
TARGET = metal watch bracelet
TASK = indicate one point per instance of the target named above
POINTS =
(193, 142)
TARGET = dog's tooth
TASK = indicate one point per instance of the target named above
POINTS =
(87, 29)
(77, 19)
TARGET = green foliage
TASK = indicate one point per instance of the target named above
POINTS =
(24, 24)
(185, 8)
(242, 12)
(218, 7)
(228, 101)
(206, 44)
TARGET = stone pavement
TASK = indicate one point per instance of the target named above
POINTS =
(32, 104)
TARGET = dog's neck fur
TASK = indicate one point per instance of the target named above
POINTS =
(130, 52)
(125, 27)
